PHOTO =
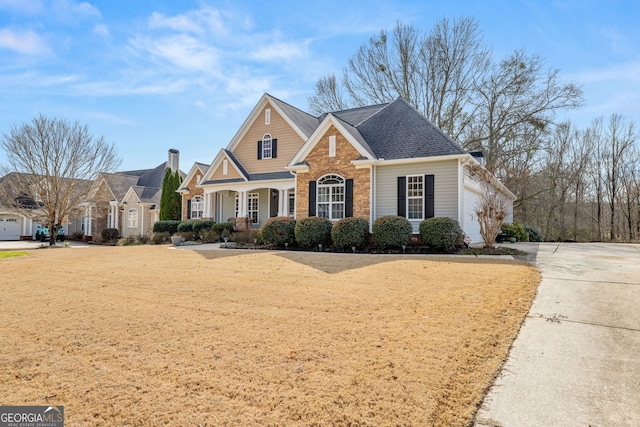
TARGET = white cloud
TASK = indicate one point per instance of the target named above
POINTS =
(195, 21)
(281, 51)
(25, 42)
(102, 30)
(183, 51)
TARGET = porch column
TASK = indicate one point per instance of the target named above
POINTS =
(117, 218)
(283, 205)
(89, 221)
(142, 220)
(242, 204)
(207, 205)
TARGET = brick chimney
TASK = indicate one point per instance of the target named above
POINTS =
(174, 159)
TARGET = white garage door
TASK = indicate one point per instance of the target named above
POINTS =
(9, 228)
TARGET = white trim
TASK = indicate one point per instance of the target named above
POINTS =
(216, 164)
(192, 172)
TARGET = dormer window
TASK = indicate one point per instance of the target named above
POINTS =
(267, 147)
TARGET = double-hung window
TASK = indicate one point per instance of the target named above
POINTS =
(415, 197)
(267, 146)
(253, 203)
(132, 218)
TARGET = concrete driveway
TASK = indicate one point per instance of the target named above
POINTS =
(576, 361)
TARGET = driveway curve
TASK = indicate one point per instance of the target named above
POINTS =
(576, 360)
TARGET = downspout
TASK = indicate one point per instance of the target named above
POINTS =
(372, 197)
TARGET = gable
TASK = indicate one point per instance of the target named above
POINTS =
(288, 143)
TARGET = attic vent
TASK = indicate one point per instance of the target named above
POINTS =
(225, 167)
(332, 146)
(267, 116)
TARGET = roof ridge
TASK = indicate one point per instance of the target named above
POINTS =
(286, 103)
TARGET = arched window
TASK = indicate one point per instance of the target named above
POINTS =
(197, 207)
(132, 218)
(331, 196)
(267, 147)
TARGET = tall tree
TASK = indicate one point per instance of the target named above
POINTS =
(54, 162)
(170, 201)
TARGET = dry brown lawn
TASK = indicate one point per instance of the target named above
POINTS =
(148, 336)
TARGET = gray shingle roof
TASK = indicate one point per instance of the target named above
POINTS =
(148, 194)
(305, 121)
(399, 131)
(355, 116)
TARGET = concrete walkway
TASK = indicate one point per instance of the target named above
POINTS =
(576, 360)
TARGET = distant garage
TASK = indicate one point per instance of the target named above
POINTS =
(9, 227)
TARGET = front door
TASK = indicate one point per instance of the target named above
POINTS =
(273, 203)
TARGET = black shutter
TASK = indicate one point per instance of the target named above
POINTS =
(429, 211)
(402, 196)
(189, 209)
(274, 148)
(348, 198)
(312, 198)
(259, 149)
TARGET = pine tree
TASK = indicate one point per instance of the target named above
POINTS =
(170, 201)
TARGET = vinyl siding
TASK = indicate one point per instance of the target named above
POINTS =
(445, 183)
(289, 142)
(232, 173)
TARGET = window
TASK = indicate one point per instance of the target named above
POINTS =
(132, 218)
(332, 146)
(237, 208)
(292, 203)
(330, 197)
(415, 197)
(252, 207)
(267, 116)
(197, 207)
(267, 152)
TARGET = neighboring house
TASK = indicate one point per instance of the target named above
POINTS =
(128, 201)
(366, 162)
(20, 214)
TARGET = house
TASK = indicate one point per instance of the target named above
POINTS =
(367, 162)
(21, 210)
(128, 201)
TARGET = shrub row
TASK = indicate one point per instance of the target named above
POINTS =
(389, 232)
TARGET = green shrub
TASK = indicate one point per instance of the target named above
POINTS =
(201, 226)
(186, 226)
(109, 235)
(534, 234)
(278, 231)
(350, 232)
(221, 226)
(167, 226)
(160, 238)
(516, 231)
(313, 231)
(392, 231)
(441, 233)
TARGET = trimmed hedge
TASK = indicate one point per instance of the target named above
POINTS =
(350, 232)
(186, 226)
(392, 232)
(278, 231)
(442, 233)
(201, 226)
(312, 231)
(221, 226)
(168, 226)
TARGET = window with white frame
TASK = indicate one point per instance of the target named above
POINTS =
(253, 204)
(197, 207)
(292, 203)
(330, 197)
(267, 146)
(132, 218)
(415, 197)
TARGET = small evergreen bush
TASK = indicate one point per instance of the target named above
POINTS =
(534, 234)
(515, 230)
(201, 226)
(441, 233)
(168, 226)
(350, 232)
(392, 232)
(312, 231)
(278, 231)
(221, 226)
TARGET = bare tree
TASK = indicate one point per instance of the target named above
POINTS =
(54, 162)
(621, 137)
(492, 206)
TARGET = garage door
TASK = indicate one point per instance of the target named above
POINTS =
(9, 228)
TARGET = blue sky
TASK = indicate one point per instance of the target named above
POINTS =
(154, 75)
